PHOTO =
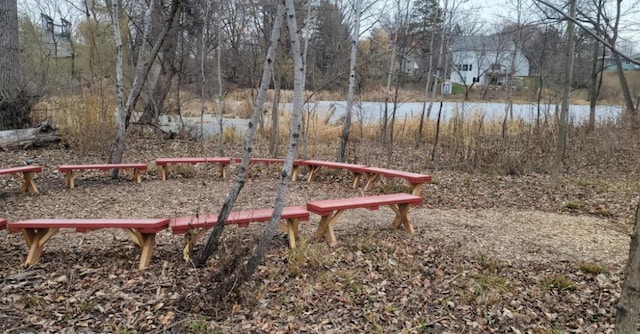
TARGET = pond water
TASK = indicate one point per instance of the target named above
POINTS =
(372, 113)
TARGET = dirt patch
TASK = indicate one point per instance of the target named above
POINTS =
(484, 256)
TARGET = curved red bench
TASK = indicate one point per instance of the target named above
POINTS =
(3, 223)
(315, 165)
(70, 176)
(331, 209)
(166, 162)
(37, 232)
(24, 174)
(195, 227)
(415, 180)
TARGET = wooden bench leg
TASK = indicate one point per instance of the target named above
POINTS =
(325, 227)
(356, 179)
(146, 241)
(295, 171)
(416, 189)
(371, 178)
(165, 172)
(28, 184)
(36, 239)
(223, 171)
(292, 230)
(313, 172)
(69, 177)
(136, 175)
(190, 239)
(402, 217)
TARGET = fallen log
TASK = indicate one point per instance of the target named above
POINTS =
(44, 134)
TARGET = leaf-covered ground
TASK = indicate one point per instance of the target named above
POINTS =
(491, 253)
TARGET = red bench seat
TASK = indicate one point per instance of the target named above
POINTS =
(25, 175)
(195, 227)
(331, 209)
(70, 175)
(270, 161)
(3, 223)
(415, 180)
(37, 232)
(222, 162)
(315, 165)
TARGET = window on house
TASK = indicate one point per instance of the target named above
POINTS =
(467, 67)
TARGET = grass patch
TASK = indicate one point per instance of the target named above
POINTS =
(487, 289)
(558, 282)
(186, 170)
(574, 206)
(200, 326)
(307, 258)
(590, 268)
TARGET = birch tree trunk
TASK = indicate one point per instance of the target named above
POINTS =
(426, 92)
(285, 176)
(141, 73)
(305, 117)
(352, 85)
(387, 91)
(144, 67)
(227, 206)
(563, 120)
(594, 88)
(220, 97)
(274, 136)
(118, 148)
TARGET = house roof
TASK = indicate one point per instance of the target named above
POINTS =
(481, 43)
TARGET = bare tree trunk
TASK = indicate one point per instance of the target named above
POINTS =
(352, 85)
(563, 120)
(142, 70)
(385, 116)
(227, 206)
(220, 97)
(274, 138)
(10, 70)
(285, 176)
(426, 92)
(118, 149)
(163, 83)
(305, 116)
(14, 105)
(595, 71)
(627, 317)
(435, 143)
(203, 83)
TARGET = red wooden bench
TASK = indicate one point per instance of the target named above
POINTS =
(37, 232)
(25, 175)
(315, 165)
(331, 209)
(166, 162)
(70, 175)
(270, 161)
(415, 180)
(3, 223)
(195, 227)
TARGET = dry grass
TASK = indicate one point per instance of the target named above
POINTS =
(86, 122)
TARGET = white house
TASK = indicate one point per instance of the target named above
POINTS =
(486, 60)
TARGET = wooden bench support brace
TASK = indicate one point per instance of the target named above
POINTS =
(146, 241)
(36, 239)
(27, 182)
(325, 227)
(402, 217)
